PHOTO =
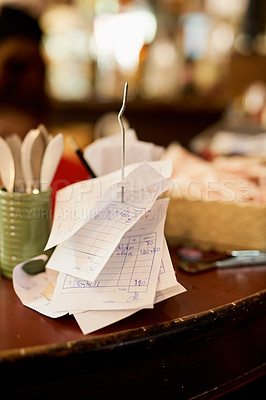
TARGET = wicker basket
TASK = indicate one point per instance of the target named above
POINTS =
(216, 225)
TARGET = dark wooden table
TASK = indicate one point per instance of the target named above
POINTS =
(201, 344)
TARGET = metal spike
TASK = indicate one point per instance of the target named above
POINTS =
(123, 147)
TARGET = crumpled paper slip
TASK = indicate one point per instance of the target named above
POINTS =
(35, 291)
(129, 278)
(86, 252)
(36, 287)
(104, 155)
(90, 321)
(75, 202)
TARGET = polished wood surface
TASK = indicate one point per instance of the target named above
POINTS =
(23, 327)
(212, 336)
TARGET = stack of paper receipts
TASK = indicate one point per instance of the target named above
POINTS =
(111, 258)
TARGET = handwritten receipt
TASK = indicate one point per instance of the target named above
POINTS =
(74, 203)
(129, 278)
(88, 250)
(111, 258)
(167, 286)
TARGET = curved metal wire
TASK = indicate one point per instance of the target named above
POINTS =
(123, 147)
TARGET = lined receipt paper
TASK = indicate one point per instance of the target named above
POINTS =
(88, 250)
(74, 203)
(167, 286)
(129, 278)
(111, 257)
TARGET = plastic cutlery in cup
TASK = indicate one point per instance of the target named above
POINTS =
(37, 152)
(46, 135)
(14, 142)
(7, 166)
(51, 159)
(26, 154)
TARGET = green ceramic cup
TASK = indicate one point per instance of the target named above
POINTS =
(25, 222)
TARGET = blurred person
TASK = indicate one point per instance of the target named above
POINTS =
(23, 102)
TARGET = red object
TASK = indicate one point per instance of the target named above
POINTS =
(70, 170)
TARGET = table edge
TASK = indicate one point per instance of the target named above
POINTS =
(182, 327)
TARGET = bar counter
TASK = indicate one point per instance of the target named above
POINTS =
(201, 344)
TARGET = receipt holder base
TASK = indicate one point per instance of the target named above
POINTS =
(25, 222)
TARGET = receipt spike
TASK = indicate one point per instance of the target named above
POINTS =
(123, 147)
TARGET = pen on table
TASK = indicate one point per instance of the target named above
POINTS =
(80, 155)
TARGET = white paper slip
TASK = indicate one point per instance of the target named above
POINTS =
(129, 279)
(104, 154)
(166, 282)
(35, 291)
(90, 321)
(74, 203)
(87, 251)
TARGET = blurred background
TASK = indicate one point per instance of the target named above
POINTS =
(187, 62)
